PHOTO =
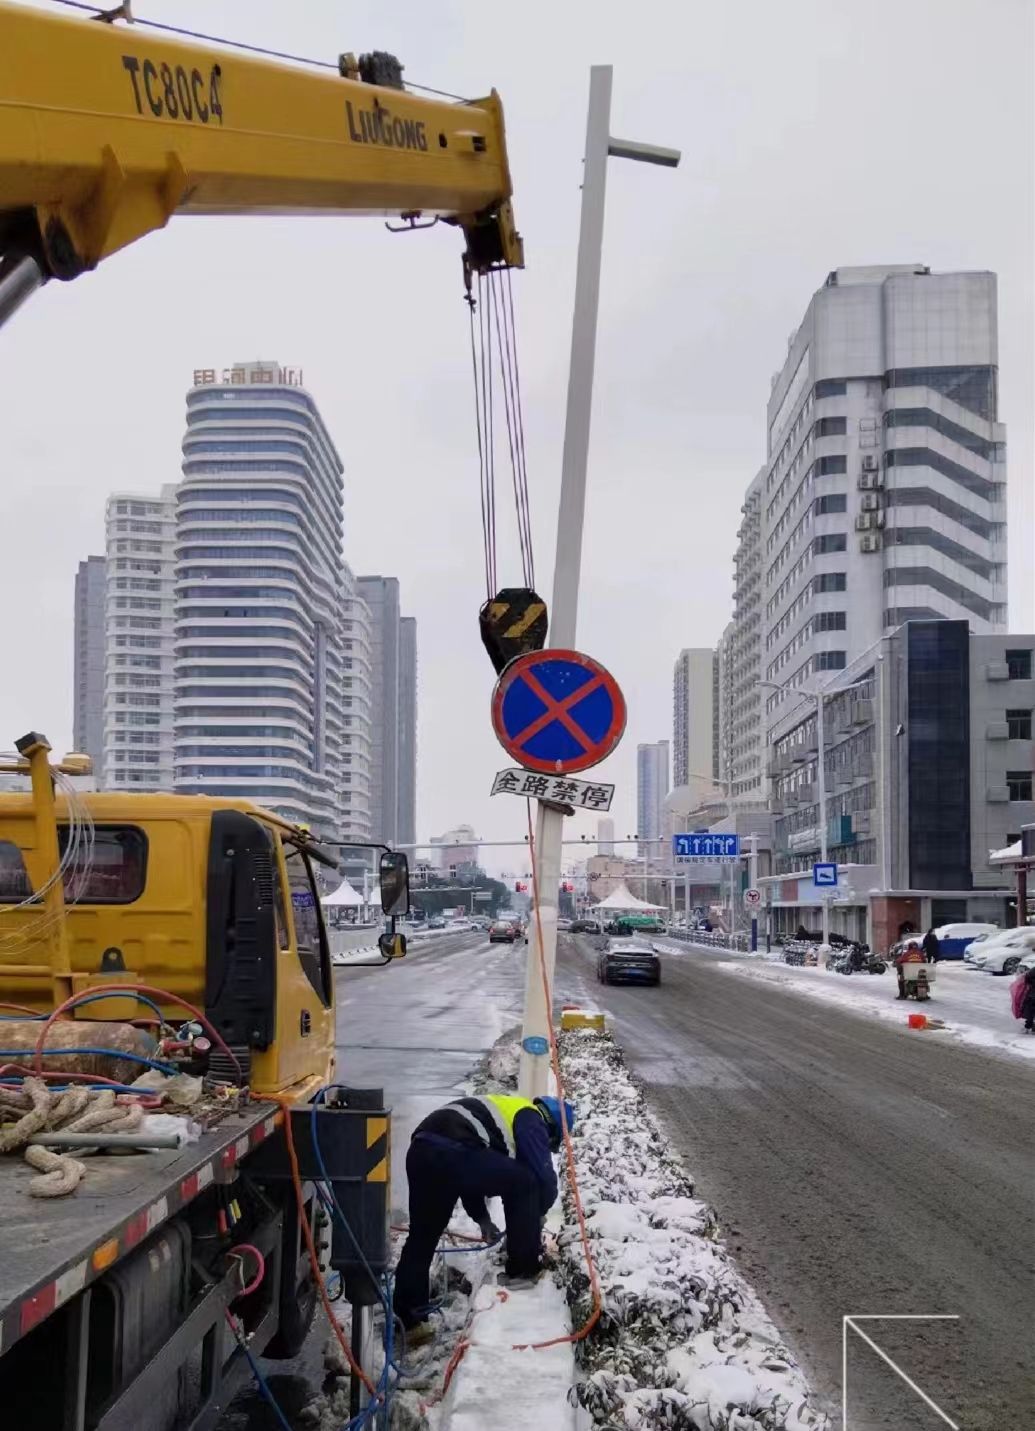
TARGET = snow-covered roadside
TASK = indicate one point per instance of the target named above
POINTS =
(683, 1343)
(975, 1024)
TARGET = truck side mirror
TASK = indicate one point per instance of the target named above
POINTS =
(394, 874)
(392, 946)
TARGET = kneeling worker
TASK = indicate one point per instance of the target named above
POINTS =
(492, 1146)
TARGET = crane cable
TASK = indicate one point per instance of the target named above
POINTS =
(494, 363)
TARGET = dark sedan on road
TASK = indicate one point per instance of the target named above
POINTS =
(502, 932)
(628, 961)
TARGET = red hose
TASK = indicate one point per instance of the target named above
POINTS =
(260, 1266)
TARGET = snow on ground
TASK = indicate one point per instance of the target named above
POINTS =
(975, 1006)
(683, 1343)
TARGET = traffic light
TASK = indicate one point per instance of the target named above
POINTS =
(520, 887)
(568, 887)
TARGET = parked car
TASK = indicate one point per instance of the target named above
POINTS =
(563, 926)
(502, 931)
(1003, 954)
(436, 922)
(954, 938)
(1027, 962)
(628, 961)
(584, 926)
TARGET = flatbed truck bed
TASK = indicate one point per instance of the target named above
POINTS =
(52, 1248)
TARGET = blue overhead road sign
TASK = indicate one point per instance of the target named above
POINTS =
(702, 846)
(824, 876)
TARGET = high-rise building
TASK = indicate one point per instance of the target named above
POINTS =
(724, 669)
(381, 594)
(394, 711)
(138, 641)
(651, 789)
(885, 482)
(694, 717)
(746, 752)
(261, 598)
(359, 695)
(88, 662)
(605, 836)
(406, 820)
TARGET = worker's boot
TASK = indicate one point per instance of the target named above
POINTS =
(521, 1279)
(419, 1336)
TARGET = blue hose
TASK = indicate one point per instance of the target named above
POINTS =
(20, 1053)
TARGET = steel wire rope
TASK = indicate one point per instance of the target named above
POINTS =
(520, 425)
(505, 348)
(481, 460)
(99, 12)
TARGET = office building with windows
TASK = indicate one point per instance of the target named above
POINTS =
(695, 754)
(884, 495)
(358, 702)
(746, 732)
(138, 641)
(393, 663)
(406, 818)
(652, 785)
(605, 836)
(88, 662)
(261, 598)
(928, 765)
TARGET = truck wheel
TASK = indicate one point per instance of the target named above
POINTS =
(297, 1298)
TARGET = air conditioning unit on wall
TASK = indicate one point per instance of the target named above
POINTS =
(870, 542)
(869, 463)
(869, 502)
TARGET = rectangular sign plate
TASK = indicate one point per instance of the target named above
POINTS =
(561, 789)
(705, 848)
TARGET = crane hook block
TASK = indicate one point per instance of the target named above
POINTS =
(513, 622)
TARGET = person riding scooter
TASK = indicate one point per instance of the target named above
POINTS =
(911, 954)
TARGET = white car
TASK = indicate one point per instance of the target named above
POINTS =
(1028, 962)
(1003, 954)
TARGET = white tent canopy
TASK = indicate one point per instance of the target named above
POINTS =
(344, 895)
(621, 898)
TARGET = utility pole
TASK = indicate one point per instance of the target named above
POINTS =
(535, 1067)
(753, 884)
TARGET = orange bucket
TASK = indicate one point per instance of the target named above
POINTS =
(917, 1021)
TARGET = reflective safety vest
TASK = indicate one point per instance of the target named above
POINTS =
(492, 1118)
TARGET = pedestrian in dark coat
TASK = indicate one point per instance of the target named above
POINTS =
(1028, 1002)
(930, 946)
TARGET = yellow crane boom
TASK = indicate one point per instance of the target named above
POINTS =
(108, 129)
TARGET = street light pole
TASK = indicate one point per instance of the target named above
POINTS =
(822, 793)
(534, 1070)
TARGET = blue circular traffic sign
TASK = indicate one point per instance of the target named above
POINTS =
(557, 712)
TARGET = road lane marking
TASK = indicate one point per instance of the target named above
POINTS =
(851, 1321)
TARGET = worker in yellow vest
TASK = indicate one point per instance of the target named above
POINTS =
(497, 1145)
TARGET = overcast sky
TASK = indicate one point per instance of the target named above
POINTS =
(814, 135)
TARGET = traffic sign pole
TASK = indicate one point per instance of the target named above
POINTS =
(534, 1070)
(753, 882)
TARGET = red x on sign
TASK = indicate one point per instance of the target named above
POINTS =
(557, 711)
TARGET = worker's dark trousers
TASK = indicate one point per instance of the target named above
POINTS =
(438, 1176)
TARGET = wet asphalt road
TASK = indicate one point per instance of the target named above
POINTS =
(857, 1169)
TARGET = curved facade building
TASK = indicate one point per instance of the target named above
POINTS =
(261, 596)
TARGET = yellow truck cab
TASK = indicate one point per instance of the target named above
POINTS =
(214, 900)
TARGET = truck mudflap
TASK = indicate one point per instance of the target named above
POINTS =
(102, 1248)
